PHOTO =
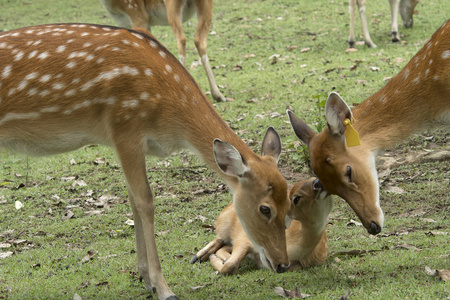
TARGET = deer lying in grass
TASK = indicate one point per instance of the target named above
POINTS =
(307, 242)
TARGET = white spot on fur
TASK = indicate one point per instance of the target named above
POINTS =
(32, 92)
(168, 68)
(19, 56)
(19, 116)
(144, 96)
(153, 44)
(31, 76)
(44, 93)
(58, 86)
(148, 72)
(416, 80)
(430, 62)
(100, 60)
(126, 42)
(445, 54)
(137, 35)
(85, 45)
(32, 54)
(61, 48)
(163, 54)
(176, 77)
(435, 78)
(85, 34)
(70, 93)
(406, 73)
(71, 64)
(43, 55)
(130, 103)
(50, 109)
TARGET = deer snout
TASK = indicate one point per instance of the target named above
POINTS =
(281, 268)
(374, 228)
(317, 185)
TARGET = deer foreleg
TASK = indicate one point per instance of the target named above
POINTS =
(132, 159)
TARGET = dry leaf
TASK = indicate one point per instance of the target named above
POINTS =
(90, 254)
(69, 214)
(375, 69)
(194, 288)
(4, 255)
(5, 245)
(345, 296)
(351, 50)
(73, 162)
(394, 189)
(18, 205)
(77, 297)
(305, 50)
(354, 223)
(93, 212)
(442, 274)
(79, 182)
(99, 160)
(70, 178)
(129, 222)
(290, 294)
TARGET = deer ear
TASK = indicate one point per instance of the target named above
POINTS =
(229, 160)
(336, 111)
(271, 144)
(301, 129)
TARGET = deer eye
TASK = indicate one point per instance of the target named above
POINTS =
(265, 210)
(297, 200)
(349, 174)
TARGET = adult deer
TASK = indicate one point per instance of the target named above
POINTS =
(64, 86)
(148, 13)
(405, 7)
(416, 99)
(307, 242)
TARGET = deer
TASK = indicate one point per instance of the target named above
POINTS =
(343, 155)
(306, 238)
(64, 86)
(148, 13)
(404, 7)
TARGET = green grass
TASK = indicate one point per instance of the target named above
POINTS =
(49, 263)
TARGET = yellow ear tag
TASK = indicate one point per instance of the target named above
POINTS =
(351, 135)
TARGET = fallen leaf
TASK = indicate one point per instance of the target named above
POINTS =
(18, 205)
(79, 182)
(305, 50)
(351, 50)
(69, 214)
(161, 233)
(354, 223)
(4, 255)
(93, 212)
(90, 255)
(73, 162)
(399, 60)
(5, 245)
(345, 296)
(290, 294)
(77, 297)
(375, 69)
(194, 288)
(129, 222)
(442, 274)
(99, 160)
(69, 178)
(394, 189)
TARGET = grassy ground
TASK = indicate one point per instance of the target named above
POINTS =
(91, 253)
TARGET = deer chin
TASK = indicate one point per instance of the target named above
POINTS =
(267, 264)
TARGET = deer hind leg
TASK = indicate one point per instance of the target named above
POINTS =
(351, 37)
(209, 249)
(204, 12)
(365, 27)
(395, 4)
(133, 164)
(174, 8)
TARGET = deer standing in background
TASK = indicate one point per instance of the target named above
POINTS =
(416, 99)
(63, 86)
(307, 242)
(148, 13)
(404, 7)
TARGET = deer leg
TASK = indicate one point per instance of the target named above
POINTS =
(351, 37)
(133, 164)
(395, 4)
(174, 8)
(209, 249)
(365, 27)
(141, 249)
(231, 264)
(204, 12)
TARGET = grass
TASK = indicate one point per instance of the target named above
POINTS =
(50, 249)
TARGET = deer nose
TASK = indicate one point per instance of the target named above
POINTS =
(374, 228)
(281, 268)
(317, 185)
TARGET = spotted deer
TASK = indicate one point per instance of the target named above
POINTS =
(416, 99)
(63, 86)
(306, 238)
(148, 13)
(404, 7)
